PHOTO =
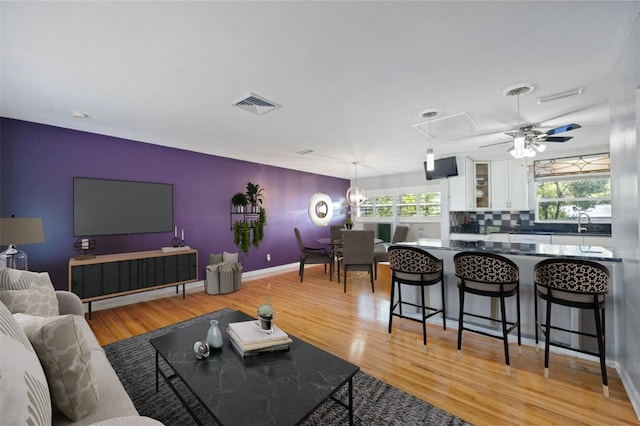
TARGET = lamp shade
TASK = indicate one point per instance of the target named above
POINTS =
(21, 231)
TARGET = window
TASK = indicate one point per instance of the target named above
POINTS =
(567, 187)
(404, 205)
(377, 206)
(419, 204)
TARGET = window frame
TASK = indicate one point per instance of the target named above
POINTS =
(571, 177)
(395, 194)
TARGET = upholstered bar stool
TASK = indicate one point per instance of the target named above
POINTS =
(490, 275)
(380, 253)
(577, 284)
(415, 267)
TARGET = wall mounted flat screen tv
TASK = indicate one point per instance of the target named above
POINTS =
(116, 207)
(443, 168)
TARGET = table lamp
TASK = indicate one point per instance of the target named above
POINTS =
(14, 231)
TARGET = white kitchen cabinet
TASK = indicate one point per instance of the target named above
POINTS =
(499, 237)
(570, 240)
(579, 240)
(490, 185)
(457, 193)
(482, 185)
(591, 240)
(468, 237)
(530, 238)
(509, 185)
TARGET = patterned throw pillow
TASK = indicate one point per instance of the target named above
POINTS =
(28, 292)
(66, 359)
(23, 385)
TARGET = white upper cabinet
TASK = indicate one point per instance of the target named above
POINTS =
(509, 185)
(482, 186)
(458, 199)
(489, 185)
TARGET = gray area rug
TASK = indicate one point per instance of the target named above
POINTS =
(375, 402)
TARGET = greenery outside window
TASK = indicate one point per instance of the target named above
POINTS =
(569, 186)
(560, 200)
(402, 205)
(419, 204)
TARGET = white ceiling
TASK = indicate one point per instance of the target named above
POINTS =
(352, 77)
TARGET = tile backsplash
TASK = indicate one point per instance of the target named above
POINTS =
(484, 222)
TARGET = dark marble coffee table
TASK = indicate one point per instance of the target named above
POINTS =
(279, 388)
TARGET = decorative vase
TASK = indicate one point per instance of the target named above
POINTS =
(266, 323)
(214, 337)
(201, 349)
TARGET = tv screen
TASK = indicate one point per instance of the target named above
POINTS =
(112, 207)
(443, 167)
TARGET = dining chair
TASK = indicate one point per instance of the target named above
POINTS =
(357, 254)
(380, 251)
(578, 284)
(489, 275)
(336, 241)
(311, 255)
(415, 267)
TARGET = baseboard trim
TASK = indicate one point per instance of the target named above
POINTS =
(630, 386)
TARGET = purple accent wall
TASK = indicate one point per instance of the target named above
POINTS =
(38, 163)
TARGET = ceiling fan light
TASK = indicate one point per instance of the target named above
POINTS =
(518, 145)
(430, 160)
(539, 147)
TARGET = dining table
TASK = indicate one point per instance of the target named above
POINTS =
(327, 241)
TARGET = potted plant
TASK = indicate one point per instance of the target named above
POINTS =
(254, 196)
(239, 201)
(258, 227)
(348, 222)
(265, 317)
(241, 236)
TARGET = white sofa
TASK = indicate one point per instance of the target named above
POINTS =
(42, 342)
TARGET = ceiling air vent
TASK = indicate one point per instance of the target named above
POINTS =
(447, 126)
(255, 104)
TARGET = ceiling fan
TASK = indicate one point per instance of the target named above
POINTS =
(527, 139)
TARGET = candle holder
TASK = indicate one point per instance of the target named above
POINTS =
(84, 246)
(175, 242)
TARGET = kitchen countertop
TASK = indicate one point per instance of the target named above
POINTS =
(593, 253)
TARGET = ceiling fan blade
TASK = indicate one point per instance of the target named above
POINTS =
(556, 139)
(494, 144)
(563, 129)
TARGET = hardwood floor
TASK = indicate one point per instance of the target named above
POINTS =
(354, 327)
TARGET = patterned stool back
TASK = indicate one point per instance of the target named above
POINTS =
(572, 275)
(485, 268)
(413, 260)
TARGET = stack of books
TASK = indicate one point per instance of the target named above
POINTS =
(247, 338)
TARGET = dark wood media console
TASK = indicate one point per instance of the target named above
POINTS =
(120, 274)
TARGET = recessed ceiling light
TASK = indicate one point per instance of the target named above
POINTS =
(430, 113)
(519, 89)
(79, 115)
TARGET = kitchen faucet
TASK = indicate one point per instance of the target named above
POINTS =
(580, 227)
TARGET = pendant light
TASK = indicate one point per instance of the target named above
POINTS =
(430, 156)
(355, 195)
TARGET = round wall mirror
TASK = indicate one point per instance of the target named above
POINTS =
(320, 209)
